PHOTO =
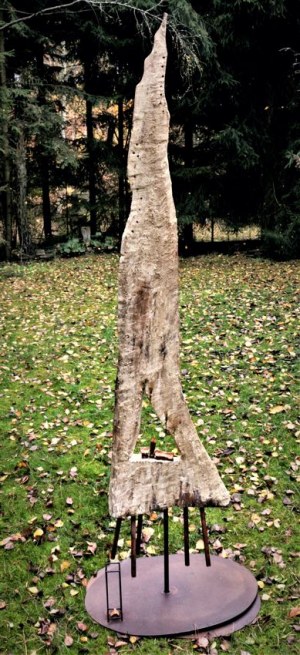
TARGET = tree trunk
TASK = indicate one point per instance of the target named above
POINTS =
(149, 324)
(43, 157)
(6, 193)
(187, 232)
(212, 226)
(91, 166)
(44, 172)
(22, 222)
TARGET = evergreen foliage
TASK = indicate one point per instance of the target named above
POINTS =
(68, 74)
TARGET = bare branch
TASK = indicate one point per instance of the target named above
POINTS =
(92, 3)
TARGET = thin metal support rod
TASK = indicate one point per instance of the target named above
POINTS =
(107, 597)
(152, 447)
(205, 536)
(139, 534)
(166, 552)
(116, 538)
(186, 536)
(133, 547)
(120, 593)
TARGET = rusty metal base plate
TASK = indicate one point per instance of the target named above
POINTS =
(219, 599)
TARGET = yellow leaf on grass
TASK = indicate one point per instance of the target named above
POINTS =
(200, 544)
(64, 565)
(33, 590)
(59, 523)
(276, 409)
(38, 533)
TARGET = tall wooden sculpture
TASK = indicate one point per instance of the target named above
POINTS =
(149, 325)
(202, 593)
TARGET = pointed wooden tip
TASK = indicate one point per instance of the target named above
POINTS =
(163, 26)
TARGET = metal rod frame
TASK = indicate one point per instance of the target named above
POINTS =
(119, 609)
(139, 534)
(136, 537)
(186, 536)
(116, 538)
(205, 536)
(166, 552)
(133, 547)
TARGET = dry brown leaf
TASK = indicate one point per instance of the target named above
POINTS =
(68, 641)
(147, 533)
(202, 642)
(277, 409)
(153, 516)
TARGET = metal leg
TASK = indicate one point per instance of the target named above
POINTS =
(186, 536)
(114, 613)
(116, 539)
(139, 534)
(205, 536)
(152, 447)
(133, 547)
(166, 552)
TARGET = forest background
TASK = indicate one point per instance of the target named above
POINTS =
(68, 71)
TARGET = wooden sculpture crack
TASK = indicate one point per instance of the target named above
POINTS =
(148, 324)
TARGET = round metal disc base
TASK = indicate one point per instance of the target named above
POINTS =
(218, 600)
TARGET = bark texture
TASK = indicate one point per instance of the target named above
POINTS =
(22, 219)
(149, 323)
(5, 177)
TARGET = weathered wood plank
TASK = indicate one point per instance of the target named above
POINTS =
(149, 323)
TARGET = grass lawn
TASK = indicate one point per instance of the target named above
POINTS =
(239, 321)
